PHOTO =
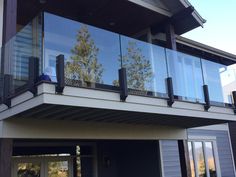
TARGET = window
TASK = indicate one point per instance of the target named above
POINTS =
(202, 156)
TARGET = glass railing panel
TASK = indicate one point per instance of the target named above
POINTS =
(146, 67)
(91, 54)
(221, 81)
(18, 50)
(186, 73)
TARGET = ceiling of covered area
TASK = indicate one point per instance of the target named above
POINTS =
(119, 16)
(62, 112)
(122, 16)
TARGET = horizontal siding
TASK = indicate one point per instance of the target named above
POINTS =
(170, 157)
(223, 146)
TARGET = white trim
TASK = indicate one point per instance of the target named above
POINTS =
(221, 127)
(21, 98)
(201, 138)
(161, 159)
(217, 161)
(93, 98)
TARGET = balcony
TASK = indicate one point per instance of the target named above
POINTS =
(92, 58)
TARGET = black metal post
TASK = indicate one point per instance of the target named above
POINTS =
(7, 89)
(33, 74)
(60, 65)
(234, 100)
(123, 84)
(170, 89)
(207, 98)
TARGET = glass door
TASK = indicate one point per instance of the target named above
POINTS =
(58, 167)
(27, 168)
(43, 167)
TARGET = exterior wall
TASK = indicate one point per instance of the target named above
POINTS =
(232, 131)
(1, 21)
(49, 129)
(223, 146)
(170, 158)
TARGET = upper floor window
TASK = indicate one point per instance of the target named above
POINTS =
(203, 159)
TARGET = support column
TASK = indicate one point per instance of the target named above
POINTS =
(184, 158)
(9, 19)
(9, 28)
(170, 37)
(6, 146)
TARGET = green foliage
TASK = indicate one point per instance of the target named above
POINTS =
(139, 71)
(83, 64)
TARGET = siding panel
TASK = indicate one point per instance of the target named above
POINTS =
(170, 157)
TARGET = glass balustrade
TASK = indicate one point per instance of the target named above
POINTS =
(91, 54)
(146, 67)
(221, 81)
(186, 73)
(93, 57)
(18, 50)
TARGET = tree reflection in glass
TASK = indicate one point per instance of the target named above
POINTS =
(83, 64)
(58, 169)
(28, 170)
(210, 159)
(200, 159)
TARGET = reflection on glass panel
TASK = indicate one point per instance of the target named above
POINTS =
(200, 159)
(91, 54)
(28, 170)
(221, 80)
(17, 51)
(190, 149)
(78, 161)
(145, 64)
(210, 159)
(58, 169)
(186, 74)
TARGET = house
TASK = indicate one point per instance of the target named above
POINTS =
(111, 89)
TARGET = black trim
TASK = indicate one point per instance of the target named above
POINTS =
(33, 74)
(60, 65)
(170, 89)
(234, 99)
(123, 84)
(207, 104)
(7, 89)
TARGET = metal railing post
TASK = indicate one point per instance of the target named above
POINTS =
(33, 74)
(60, 65)
(123, 84)
(170, 90)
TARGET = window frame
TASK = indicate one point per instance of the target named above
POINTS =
(203, 140)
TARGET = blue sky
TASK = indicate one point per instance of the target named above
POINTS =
(220, 29)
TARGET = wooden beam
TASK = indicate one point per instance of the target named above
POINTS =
(184, 158)
(6, 146)
(9, 20)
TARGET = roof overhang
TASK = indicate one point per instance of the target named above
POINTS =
(205, 48)
(122, 16)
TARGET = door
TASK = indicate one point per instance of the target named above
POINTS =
(42, 167)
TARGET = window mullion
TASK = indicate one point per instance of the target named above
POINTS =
(195, 160)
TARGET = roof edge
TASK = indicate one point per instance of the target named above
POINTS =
(195, 14)
(206, 48)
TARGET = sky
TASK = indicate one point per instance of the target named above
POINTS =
(220, 29)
